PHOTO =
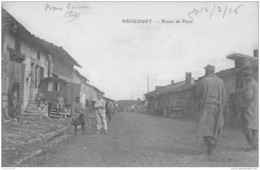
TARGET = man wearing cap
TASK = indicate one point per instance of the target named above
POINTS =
(249, 115)
(109, 110)
(100, 107)
(77, 115)
(211, 95)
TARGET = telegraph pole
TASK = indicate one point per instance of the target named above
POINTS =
(148, 84)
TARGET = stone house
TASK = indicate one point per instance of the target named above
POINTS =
(164, 99)
(81, 81)
(87, 91)
(91, 91)
(24, 60)
(234, 82)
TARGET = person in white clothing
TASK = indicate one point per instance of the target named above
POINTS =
(100, 110)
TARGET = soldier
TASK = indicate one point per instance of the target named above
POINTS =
(109, 110)
(212, 95)
(100, 110)
(77, 115)
(249, 115)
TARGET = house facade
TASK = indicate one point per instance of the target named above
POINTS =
(29, 63)
(87, 91)
(182, 95)
(24, 60)
(167, 99)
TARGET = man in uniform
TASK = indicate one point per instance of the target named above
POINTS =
(249, 115)
(212, 98)
(77, 115)
(100, 110)
(109, 110)
(60, 104)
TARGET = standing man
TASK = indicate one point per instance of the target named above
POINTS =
(39, 96)
(100, 109)
(60, 104)
(146, 106)
(212, 98)
(77, 115)
(110, 110)
(249, 115)
(15, 107)
(116, 107)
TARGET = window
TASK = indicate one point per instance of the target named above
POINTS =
(56, 87)
(50, 86)
(41, 72)
(38, 55)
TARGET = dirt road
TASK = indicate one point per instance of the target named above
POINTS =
(141, 140)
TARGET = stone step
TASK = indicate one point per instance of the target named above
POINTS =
(55, 113)
(32, 109)
(32, 105)
(32, 114)
(55, 116)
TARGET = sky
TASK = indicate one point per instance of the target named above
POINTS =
(118, 57)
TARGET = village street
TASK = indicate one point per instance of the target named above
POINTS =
(136, 139)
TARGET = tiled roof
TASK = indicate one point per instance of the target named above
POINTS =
(239, 56)
(8, 20)
(95, 88)
(77, 72)
(170, 88)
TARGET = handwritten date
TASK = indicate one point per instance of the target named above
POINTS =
(224, 11)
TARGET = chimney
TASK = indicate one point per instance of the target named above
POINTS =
(192, 81)
(172, 82)
(188, 79)
(158, 87)
(256, 53)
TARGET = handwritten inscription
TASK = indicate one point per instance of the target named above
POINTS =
(70, 6)
(72, 15)
(72, 12)
(52, 8)
(213, 10)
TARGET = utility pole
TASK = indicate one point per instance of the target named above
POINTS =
(148, 84)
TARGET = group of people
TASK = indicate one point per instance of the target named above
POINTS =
(211, 96)
(43, 105)
(104, 110)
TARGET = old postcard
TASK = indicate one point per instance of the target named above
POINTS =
(130, 84)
